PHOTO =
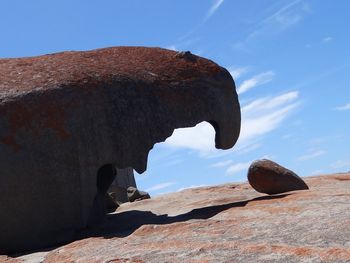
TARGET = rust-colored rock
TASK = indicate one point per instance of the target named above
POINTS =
(67, 119)
(226, 223)
(268, 177)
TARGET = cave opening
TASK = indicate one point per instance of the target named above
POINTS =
(178, 163)
(105, 176)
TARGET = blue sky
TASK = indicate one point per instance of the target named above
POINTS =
(290, 61)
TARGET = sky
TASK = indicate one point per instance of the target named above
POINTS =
(290, 61)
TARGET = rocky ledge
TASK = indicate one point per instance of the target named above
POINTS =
(226, 223)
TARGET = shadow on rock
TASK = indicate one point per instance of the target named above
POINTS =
(125, 223)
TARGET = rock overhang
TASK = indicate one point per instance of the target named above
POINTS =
(65, 115)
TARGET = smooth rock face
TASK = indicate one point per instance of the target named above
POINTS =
(226, 223)
(67, 118)
(268, 177)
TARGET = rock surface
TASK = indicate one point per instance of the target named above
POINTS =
(226, 223)
(268, 177)
(68, 119)
(135, 194)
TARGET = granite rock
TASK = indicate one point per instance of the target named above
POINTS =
(268, 177)
(67, 119)
(225, 223)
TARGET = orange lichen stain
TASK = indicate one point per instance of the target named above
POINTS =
(10, 141)
(55, 121)
(255, 248)
(323, 253)
(338, 253)
(299, 251)
(131, 62)
(343, 177)
(33, 119)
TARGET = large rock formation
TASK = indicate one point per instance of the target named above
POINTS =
(226, 223)
(67, 119)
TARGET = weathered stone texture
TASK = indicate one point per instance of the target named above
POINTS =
(226, 223)
(268, 177)
(64, 116)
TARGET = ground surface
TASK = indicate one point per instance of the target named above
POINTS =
(226, 223)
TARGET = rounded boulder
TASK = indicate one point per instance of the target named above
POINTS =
(268, 177)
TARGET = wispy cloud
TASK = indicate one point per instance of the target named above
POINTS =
(160, 186)
(221, 164)
(238, 167)
(237, 72)
(268, 103)
(287, 15)
(277, 22)
(311, 155)
(327, 39)
(213, 8)
(257, 126)
(343, 107)
(254, 81)
(266, 114)
(216, 4)
(249, 148)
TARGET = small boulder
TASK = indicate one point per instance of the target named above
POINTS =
(136, 195)
(268, 177)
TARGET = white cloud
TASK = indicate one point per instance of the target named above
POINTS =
(237, 72)
(277, 22)
(311, 155)
(235, 168)
(172, 47)
(200, 138)
(253, 127)
(327, 39)
(214, 8)
(258, 118)
(268, 103)
(256, 80)
(288, 15)
(344, 107)
(249, 148)
(221, 164)
(160, 186)
(266, 114)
